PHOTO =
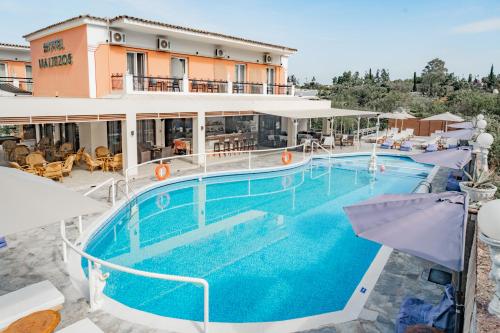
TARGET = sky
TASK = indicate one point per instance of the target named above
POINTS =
(331, 36)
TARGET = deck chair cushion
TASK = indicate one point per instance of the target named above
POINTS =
(20, 303)
(82, 326)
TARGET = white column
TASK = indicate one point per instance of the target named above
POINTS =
(185, 84)
(129, 142)
(91, 66)
(128, 84)
(159, 133)
(264, 88)
(359, 136)
(229, 84)
(199, 137)
(292, 132)
(38, 134)
(93, 135)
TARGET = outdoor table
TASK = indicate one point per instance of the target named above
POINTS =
(38, 322)
(105, 162)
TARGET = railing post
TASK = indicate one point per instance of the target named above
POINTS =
(264, 88)
(113, 192)
(206, 307)
(292, 90)
(229, 85)
(15, 82)
(80, 224)
(128, 83)
(64, 246)
(185, 83)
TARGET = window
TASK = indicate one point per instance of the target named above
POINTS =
(178, 68)
(3, 70)
(29, 72)
(115, 136)
(240, 73)
(146, 133)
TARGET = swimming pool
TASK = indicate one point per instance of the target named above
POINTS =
(273, 246)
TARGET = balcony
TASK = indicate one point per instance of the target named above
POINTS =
(131, 84)
(16, 85)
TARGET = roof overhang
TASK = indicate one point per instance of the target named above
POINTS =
(65, 25)
(320, 113)
(18, 110)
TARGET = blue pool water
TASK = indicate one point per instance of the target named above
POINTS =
(273, 246)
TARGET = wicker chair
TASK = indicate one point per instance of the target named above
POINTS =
(68, 165)
(19, 154)
(116, 163)
(102, 151)
(65, 150)
(91, 163)
(79, 155)
(8, 147)
(53, 171)
(26, 168)
(34, 159)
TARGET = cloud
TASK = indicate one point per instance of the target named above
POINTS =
(492, 24)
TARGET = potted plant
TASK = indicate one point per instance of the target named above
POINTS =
(480, 186)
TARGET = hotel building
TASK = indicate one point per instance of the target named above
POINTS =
(130, 84)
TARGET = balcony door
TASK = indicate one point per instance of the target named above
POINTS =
(240, 72)
(178, 67)
(270, 74)
(136, 65)
(3, 70)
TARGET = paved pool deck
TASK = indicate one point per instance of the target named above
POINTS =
(35, 255)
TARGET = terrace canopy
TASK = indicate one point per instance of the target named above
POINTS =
(446, 117)
(30, 201)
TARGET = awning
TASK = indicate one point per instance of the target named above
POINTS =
(320, 113)
(26, 110)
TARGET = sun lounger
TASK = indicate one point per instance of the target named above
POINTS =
(387, 144)
(3, 242)
(329, 142)
(82, 326)
(431, 147)
(406, 146)
(36, 297)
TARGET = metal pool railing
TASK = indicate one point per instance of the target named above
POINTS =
(199, 162)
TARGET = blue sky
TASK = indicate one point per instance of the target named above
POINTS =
(332, 36)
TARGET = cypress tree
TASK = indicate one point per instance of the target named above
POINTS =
(414, 81)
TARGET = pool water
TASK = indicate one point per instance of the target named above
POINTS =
(272, 246)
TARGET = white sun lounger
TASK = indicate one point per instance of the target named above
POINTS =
(82, 326)
(22, 302)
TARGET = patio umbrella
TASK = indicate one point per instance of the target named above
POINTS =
(446, 117)
(30, 201)
(465, 134)
(430, 226)
(462, 125)
(449, 158)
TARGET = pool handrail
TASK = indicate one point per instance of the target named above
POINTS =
(204, 156)
(160, 276)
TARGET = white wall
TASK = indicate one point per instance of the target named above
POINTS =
(20, 55)
(93, 135)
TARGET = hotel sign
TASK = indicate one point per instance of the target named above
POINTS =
(57, 60)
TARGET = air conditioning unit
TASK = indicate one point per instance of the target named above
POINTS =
(163, 44)
(116, 37)
(220, 53)
(268, 58)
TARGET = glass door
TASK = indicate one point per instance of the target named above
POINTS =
(270, 80)
(239, 78)
(136, 65)
(178, 68)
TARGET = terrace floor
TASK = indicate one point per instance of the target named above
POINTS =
(36, 255)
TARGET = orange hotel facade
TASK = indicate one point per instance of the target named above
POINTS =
(127, 83)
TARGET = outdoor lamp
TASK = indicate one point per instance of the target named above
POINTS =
(485, 140)
(481, 124)
(480, 117)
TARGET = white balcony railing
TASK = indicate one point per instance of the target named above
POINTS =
(134, 84)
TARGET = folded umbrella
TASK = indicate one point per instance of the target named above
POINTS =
(429, 226)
